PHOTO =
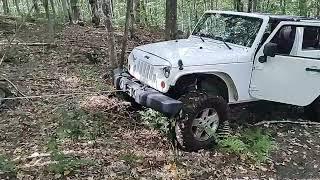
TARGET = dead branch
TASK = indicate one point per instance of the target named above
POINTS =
(29, 44)
(286, 122)
(13, 85)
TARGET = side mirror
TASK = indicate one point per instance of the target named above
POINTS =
(270, 49)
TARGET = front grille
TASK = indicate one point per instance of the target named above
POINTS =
(145, 70)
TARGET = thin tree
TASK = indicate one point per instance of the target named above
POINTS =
(254, 5)
(318, 8)
(125, 34)
(283, 4)
(36, 7)
(16, 3)
(106, 7)
(75, 10)
(171, 19)
(95, 19)
(303, 7)
(132, 18)
(5, 6)
(249, 6)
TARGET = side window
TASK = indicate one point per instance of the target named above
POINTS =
(311, 37)
(285, 38)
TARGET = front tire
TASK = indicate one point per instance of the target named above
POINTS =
(199, 120)
(313, 111)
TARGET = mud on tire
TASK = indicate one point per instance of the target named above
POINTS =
(195, 103)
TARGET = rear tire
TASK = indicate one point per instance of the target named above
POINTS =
(199, 120)
(312, 111)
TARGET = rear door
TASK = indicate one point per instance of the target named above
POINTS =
(293, 75)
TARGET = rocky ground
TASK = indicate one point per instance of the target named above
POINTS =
(98, 136)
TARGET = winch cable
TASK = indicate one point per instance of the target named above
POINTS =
(59, 95)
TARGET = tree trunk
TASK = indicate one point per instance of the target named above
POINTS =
(16, 3)
(5, 6)
(171, 19)
(65, 9)
(254, 5)
(318, 8)
(106, 7)
(303, 8)
(46, 8)
(125, 34)
(238, 5)
(137, 11)
(249, 6)
(75, 10)
(283, 6)
(132, 18)
(53, 9)
(95, 15)
(36, 7)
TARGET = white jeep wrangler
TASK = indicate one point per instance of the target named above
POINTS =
(231, 57)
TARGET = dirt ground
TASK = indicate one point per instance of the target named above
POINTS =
(123, 148)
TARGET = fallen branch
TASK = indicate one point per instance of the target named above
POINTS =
(29, 44)
(13, 85)
(287, 122)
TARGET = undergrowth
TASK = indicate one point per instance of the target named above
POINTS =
(64, 164)
(7, 167)
(155, 120)
(252, 143)
(77, 123)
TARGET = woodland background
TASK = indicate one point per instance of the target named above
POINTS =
(150, 13)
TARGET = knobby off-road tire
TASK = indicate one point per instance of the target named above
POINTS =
(313, 111)
(188, 126)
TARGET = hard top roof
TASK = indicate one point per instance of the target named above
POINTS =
(271, 16)
(287, 17)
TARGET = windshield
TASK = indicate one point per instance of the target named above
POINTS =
(240, 30)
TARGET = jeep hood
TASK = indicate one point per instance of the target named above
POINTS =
(193, 52)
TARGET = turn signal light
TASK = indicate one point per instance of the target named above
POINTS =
(163, 84)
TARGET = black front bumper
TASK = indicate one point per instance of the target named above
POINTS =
(145, 95)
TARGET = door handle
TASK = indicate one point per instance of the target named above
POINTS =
(313, 70)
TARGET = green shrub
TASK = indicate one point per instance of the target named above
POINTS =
(64, 164)
(155, 120)
(252, 143)
(130, 158)
(7, 166)
(78, 123)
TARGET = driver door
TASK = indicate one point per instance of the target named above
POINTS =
(290, 76)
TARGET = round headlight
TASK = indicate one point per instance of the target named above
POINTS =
(166, 72)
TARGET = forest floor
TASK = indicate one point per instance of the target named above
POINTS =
(102, 137)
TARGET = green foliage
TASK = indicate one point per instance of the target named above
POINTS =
(130, 158)
(77, 123)
(7, 166)
(233, 144)
(252, 143)
(155, 120)
(64, 164)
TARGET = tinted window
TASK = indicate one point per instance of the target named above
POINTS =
(311, 38)
(285, 38)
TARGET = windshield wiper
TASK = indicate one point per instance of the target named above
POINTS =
(224, 42)
(200, 36)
